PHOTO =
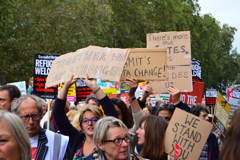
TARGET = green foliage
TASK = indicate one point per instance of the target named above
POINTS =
(63, 26)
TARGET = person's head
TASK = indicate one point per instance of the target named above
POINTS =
(86, 118)
(165, 111)
(111, 138)
(30, 83)
(158, 102)
(124, 113)
(92, 99)
(231, 143)
(29, 108)
(44, 106)
(147, 110)
(151, 135)
(14, 141)
(71, 115)
(201, 111)
(8, 93)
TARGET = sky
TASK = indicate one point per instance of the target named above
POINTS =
(225, 11)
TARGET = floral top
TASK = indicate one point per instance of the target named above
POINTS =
(80, 156)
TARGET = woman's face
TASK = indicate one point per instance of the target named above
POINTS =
(113, 151)
(9, 148)
(120, 116)
(141, 133)
(88, 127)
(165, 114)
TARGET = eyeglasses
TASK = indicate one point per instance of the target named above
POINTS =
(34, 117)
(118, 141)
(86, 121)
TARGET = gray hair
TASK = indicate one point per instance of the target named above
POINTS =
(15, 105)
(93, 97)
(101, 129)
(18, 130)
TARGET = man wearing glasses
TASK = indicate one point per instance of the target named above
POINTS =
(45, 144)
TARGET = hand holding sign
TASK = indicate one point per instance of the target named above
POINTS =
(133, 84)
(63, 93)
(175, 92)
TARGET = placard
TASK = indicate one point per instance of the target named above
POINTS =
(178, 46)
(194, 97)
(97, 62)
(196, 71)
(42, 66)
(235, 104)
(146, 64)
(71, 95)
(211, 97)
(221, 114)
(179, 76)
(82, 90)
(21, 86)
(123, 97)
(189, 131)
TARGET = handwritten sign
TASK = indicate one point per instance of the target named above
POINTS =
(146, 64)
(180, 76)
(97, 62)
(177, 43)
(194, 97)
(189, 131)
(221, 114)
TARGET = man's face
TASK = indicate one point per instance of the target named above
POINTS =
(5, 103)
(28, 107)
(203, 115)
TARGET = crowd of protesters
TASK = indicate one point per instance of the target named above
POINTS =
(101, 128)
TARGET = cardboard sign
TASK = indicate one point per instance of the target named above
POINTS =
(221, 114)
(196, 71)
(82, 90)
(179, 76)
(123, 97)
(189, 131)
(194, 97)
(235, 104)
(21, 86)
(177, 43)
(146, 64)
(43, 63)
(97, 62)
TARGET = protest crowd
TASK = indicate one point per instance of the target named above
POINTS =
(101, 126)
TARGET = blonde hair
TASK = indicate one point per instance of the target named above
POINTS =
(18, 130)
(79, 115)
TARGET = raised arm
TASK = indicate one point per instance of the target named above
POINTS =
(133, 84)
(106, 103)
(175, 92)
(147, 91)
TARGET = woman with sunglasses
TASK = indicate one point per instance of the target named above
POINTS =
(111, 137)
(81, 142)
